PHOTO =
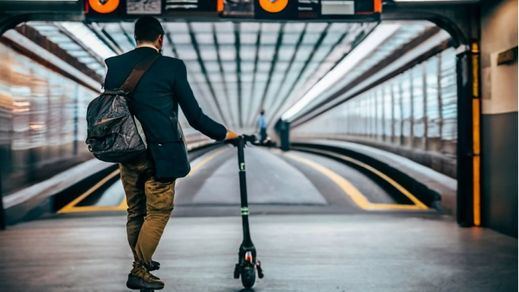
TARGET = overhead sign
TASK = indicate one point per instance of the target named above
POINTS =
(118, 8)
(273, 6)
(110, 9)
(255, 9)
(190, 5)
(103, 7)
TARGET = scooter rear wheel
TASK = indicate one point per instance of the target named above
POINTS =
(248, 276)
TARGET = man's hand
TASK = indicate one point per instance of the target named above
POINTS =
(231, 135)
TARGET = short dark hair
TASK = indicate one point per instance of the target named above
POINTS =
(147, 28)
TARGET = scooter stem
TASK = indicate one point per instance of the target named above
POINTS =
(247, 241)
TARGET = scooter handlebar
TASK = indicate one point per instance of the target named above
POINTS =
(249, 138)
(246, 138)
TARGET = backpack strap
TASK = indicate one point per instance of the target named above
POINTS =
(131, 82)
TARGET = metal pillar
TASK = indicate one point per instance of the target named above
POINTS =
(469, 115)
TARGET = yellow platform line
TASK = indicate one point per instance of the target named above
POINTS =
(81, 209)
(72, 205)
(354, 194)
(389, 180)
(72, 208)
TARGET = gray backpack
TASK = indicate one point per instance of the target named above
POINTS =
(114, 134)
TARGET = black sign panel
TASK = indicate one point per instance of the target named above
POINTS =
(190, 5)
(313, 9)
(142, 7)
(99, 10)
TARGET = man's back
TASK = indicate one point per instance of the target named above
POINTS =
(155, 102)
(152, 100)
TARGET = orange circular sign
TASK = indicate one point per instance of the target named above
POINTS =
(273, 6)
(103, 6)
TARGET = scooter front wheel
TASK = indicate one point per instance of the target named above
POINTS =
(248, 276)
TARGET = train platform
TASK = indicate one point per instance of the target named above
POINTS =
(356, 252)
(308, 226)
(385, 157)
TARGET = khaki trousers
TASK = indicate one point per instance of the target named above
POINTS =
(150, 203)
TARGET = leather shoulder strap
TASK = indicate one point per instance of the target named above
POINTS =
(131, 82)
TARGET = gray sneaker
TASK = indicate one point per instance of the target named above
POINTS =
(140, 278)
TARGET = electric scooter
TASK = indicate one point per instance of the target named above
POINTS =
(248, 263)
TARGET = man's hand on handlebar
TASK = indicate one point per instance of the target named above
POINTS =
(235, 139)
(231, 135)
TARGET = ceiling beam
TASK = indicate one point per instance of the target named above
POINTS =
(236, 29)
(222, 73)
(255, 71)
(173, 49)
(105, 37)
(33, 35)
(78, 42)
(204, 71)
(271, 70)
(130, 39)
(291, 62)
(314, 49)
(324, 105)
(332, 48)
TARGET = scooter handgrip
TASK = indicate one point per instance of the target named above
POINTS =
(246, 138)
(233, 142)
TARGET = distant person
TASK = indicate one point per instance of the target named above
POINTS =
(262, 126)
(149, 181)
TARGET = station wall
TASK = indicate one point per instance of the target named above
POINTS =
(42, 120)
(413, 114)
(499, 115)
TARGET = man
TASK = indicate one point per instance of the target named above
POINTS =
(262, 125)
(149, 181)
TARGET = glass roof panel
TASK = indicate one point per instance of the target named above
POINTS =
(248, 38)
(266, 52)
(247, 67)
(180, 38)
(227, 53)
(263, 66)
(202, 26)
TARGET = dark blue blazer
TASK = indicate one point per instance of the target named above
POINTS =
(155, 103)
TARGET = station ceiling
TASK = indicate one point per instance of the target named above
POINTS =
(238, 68)
(235, 69)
